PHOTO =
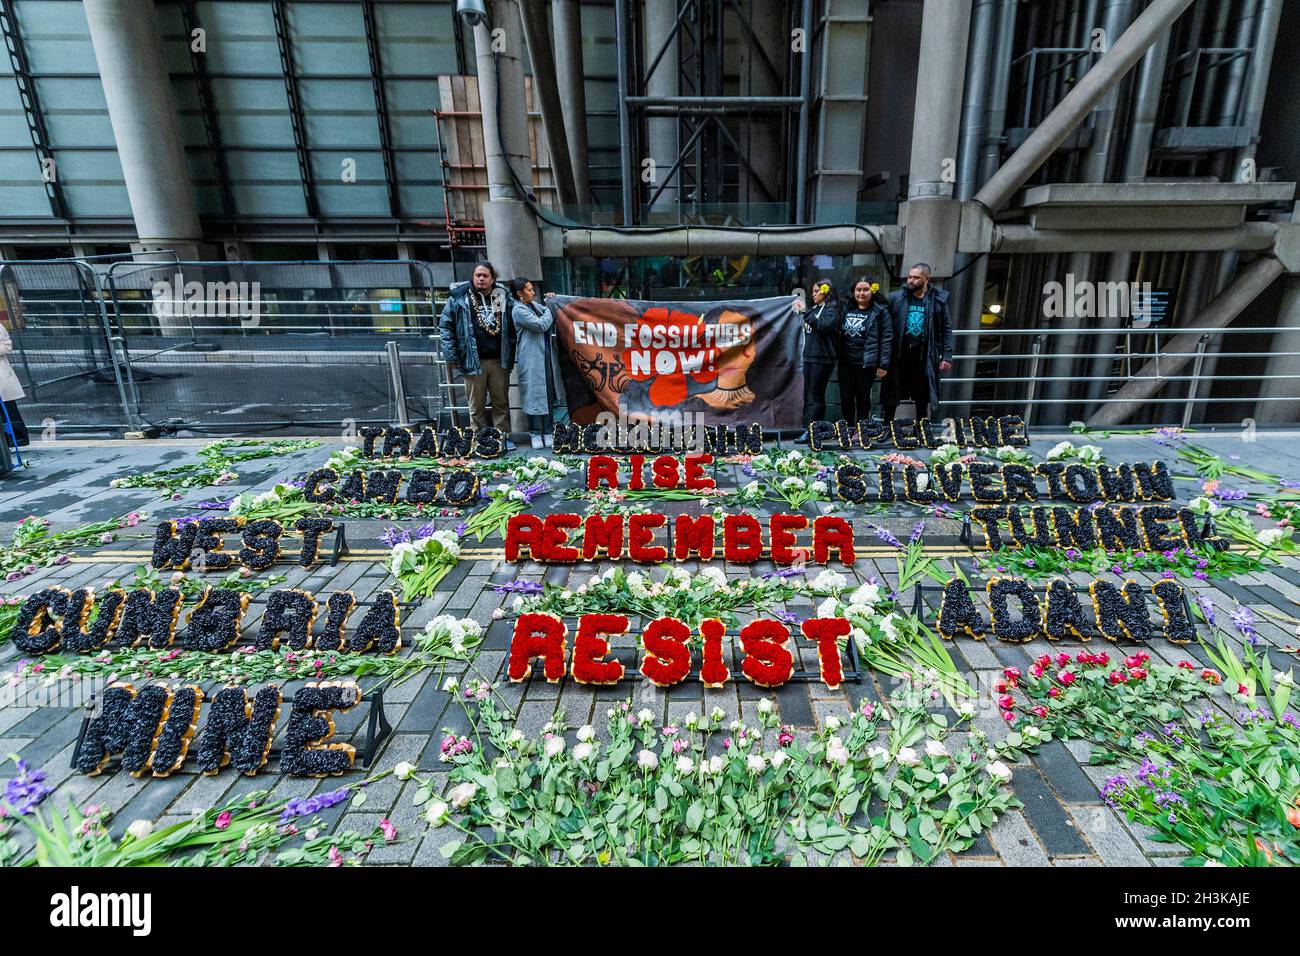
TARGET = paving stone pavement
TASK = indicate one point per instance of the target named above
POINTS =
(1063, 822)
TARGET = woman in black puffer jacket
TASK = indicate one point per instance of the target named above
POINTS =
(821, 332)
(866, 334)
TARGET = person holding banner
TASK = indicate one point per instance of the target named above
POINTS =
(866, 334)
(821, 331)
(478, 339)
(922, 344)
(532, 358)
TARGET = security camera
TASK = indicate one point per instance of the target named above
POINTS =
(473, 12)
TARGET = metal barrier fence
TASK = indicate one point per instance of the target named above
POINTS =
(114, 344)
(225, 346)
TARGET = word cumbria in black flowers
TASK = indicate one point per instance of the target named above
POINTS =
(82, 622)
(153, 730)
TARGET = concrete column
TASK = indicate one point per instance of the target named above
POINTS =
(567, 26)
(513, 244)
(933, 214)
(659, 18)
(125, 36)
(510, 228)
(546, 92)
(761, 138)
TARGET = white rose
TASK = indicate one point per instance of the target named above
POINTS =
(935, 748)
(779, 758)
(867, 594)
(1090, 454)
(966, 709)
(586, 733)
(692, 721)
(716, 714)
(829, 581)
(645, 717)
(908, 757)
(765, 705)
(436, 813)
(755, 763)
(1060, 451)
(836, 752)
(1270, 535)
(461, 795)
(404, 771)
(685, 765)
(887, 625)
(554, 746)
(831, 723)
(582, 751)
(828, 608)
(999, 771)
(716, 765)
(647, 759)
(140, 829)
(943, 779)
(516, 736)
(874, 752)
(818, 486)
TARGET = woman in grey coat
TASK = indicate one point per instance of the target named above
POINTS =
(532, 359)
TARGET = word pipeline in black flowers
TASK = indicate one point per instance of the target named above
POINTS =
(1017, 613)
(904, 434)
(200, 545)
(153, 730)
(79, 621)
(399, 442)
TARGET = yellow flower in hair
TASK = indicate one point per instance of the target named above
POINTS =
(875, 287)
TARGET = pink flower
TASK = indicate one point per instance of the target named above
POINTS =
(1066, 677)
(1053, 692)
(1009, 716)
(390, 831)
(1006, 702)
(223, 820)
(1062, 659)
(868, 708)
(106, 538)
(1117, 677)
(1040, 711)
(336, 858)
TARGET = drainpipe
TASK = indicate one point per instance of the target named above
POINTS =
(567, 23)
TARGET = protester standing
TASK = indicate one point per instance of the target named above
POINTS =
(11, 390)
(478, 339)
(532, 359)
(821, 330)
(866, 333)
(922, 344)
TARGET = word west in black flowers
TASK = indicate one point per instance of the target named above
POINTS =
(200, 545)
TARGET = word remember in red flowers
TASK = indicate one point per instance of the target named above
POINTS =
(666, 645)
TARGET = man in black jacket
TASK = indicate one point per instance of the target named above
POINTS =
(922, 345)
(478, 340)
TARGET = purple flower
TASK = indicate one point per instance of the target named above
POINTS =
(26, 790)
(518, 587)
(787, 617)
(1288, 483)
(1207, 608)
(1072, 553)
(395, 536)
(460, 529)
(917, 532)
(1244, 620)
(303, 806)
(884, 535)
(782, 573)
(1229, 494)
(1112, 788)
(748, 470)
